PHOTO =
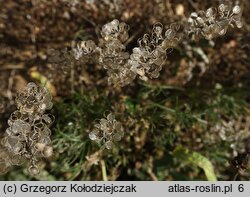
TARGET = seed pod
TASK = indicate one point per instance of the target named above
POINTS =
(33, 170)
(93, 135)
(109, 145)
(236, 9)
(48, 151)
(28, 134)
(107, 131)
(40, 146)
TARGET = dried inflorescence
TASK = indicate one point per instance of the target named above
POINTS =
(232, 130)
(112, 53)
(34, 100)
(214, 22)
(107, 131)
(147, 59)
(6, 160)
(84, 50)
(28, 136)
(115, 31)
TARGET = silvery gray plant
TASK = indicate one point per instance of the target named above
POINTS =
(28, 136)
(147, 60)
(107, 131)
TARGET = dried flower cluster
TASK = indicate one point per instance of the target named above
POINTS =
(28, 135)
(214, 22)
(107, 131)
(147, 59)
(233, 130)
(112, 54)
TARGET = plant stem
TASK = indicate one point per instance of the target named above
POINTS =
(104, 171)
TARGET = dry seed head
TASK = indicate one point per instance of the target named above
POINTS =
(236, 9)
(28, 135)
(215, 22)
(147, 59)
(40, 146)
(107, 131)
(33, 170)
(48, 151)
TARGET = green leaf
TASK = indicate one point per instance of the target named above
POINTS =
(196, 159)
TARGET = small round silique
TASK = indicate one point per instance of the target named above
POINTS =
(107, 131)
(28, 134)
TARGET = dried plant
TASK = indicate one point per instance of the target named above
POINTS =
(232, 130)
(147, 59)
(107, 131)
(214, 22)
(28, 136)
